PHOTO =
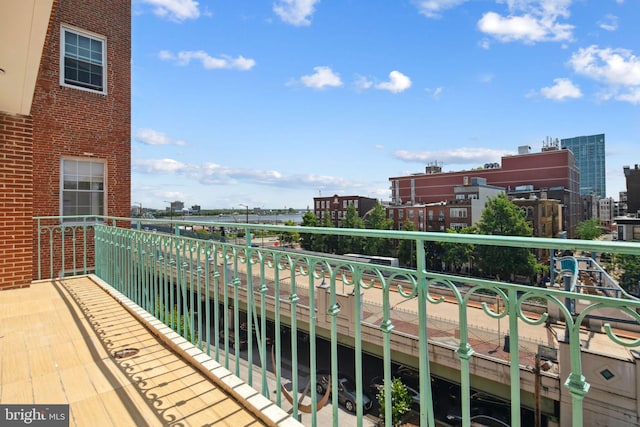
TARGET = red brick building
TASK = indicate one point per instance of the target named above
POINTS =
(336, 207)
(462, 211)
(551, 170)
(65, 109)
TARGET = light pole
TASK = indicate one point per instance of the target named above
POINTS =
(247, 215)
(170, 214)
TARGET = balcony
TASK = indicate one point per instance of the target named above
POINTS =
(564, 354)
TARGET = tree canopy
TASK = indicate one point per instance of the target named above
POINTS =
(457, 254)
(406, 248)
(589, 229)
(501, 217)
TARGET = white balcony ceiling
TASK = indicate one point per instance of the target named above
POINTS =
(23, 27)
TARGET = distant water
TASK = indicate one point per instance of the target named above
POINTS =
(253, 218)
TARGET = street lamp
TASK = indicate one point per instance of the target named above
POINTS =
(170, 214)
(247, 216)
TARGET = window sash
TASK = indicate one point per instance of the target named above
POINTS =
(83, 187)
(83, 60)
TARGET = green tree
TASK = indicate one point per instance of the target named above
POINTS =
(290, 238)
(589, 229)
(501, 217)
(329, 243)
(407, 248)
(378, 220)
(351, 244)
(309, 241)
(630, 278)
(400, 400)
(457, 254)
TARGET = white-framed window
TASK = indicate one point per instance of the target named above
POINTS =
(83, 60)
(83, 187)
(458, 212)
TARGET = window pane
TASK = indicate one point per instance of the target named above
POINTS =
(83, 183)
(84, 43)
(83, 61)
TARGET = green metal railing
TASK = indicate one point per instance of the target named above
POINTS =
(219, 295)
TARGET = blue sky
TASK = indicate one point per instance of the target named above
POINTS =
(272, 103)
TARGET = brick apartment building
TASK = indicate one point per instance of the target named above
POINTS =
(551, 170)
(336, 207)
(65, 109)
(464, 210)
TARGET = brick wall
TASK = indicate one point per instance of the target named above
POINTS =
(16, 196)
(74, 123)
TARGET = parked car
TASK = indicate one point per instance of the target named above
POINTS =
(346, 391)
(487, 410)
(479, 421)
(378, 382)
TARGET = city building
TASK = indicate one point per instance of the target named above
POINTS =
(590, 204)
(606, 211)
(590, 160)
(628, 228)
(336, 207)
(464, 210)
(632, 177)
(176, 206)
(544, 215)
(621, 204)
(65, 108)
(545, 218)
(551, 170)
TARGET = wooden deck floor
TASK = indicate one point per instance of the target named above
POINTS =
(57, 345)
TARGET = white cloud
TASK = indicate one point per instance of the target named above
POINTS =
(362, 83)
(183, 58)
(152, 137)
(434, 8)
(632, 96)
(295, 12)
(562, 89)
(611, 66)
(617, 69)
(323, 77)
(397, 83)
(462, 155)
(215, 174)
(609, 23)
(175, 10)
(435, 93)
(529, 21)
(484, 44)
(159, 166)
